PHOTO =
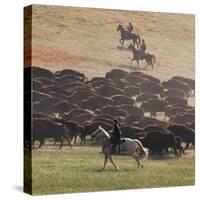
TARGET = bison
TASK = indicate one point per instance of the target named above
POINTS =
(44, 128)
(122, 99)
(131, 110)
(146, 96)
(96, 102)
(187, 134)
(109, 91)
(132, 91)
(157, 141)
(176, 100)
(173, 92)
(154, 105)
(178, 85)
(116, 74)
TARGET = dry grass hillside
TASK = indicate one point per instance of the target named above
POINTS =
(87, 40)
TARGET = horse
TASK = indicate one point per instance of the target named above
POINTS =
(125, 35)
(134, 147)
(138, 55)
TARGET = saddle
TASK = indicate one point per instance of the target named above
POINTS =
(113, 145)
(122, 140)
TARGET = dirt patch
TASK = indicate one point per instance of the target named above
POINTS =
(45, 56)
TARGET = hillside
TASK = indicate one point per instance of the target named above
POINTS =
(87, 40)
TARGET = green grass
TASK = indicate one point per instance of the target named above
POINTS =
(77, 170)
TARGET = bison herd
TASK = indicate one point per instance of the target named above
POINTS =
(65, 105)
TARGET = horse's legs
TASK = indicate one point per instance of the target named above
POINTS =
(61, 143)
(105, 161)
(148, 62)
(75, 137)
(121, 42)
(187, 146)
(41, 142)
(111, 160)
(136, 157)
(132, 60)
(151, 62)
(69, 142)
(138, 63)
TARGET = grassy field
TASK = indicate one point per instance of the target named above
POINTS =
(77, 170)
(87, 40)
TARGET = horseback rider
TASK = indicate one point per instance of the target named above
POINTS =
(143, 48)
(115, 135)
(130, 28)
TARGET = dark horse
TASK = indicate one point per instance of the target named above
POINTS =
(125, 35)
(138, 55)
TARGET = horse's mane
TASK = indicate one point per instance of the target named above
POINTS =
(105, 133)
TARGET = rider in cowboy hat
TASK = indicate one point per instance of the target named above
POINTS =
(143, 46)
(115, 135)
(130, 27)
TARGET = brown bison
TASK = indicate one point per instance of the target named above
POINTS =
(145, 121)
(40, 72)
(173, 92)
(109, 91)
(150, 128)
(52, 88)
(45, 105)
(36, 96)
(72, 128)
(96, 102)
(146, 76)
(187, 134)
(44, 81)
(110, 110)
(157, 142)
(43, 128)
(188, 81)
(61, 107)
(135, 79)
(122, 99)
(178, 85)
(131, 110)
(151, 87)
(83, 118)
(77, 97)
(73, 113)
(129, 131)
(130, 119)
(146, 96)
(154, 105)
(70, 72)
(176, 100)
(132, 91)
(172, 111)
(183, 118)
(116, 74)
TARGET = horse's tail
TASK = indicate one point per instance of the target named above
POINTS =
(154, 58)
(143, 150)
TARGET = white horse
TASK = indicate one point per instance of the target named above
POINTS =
(134, 147)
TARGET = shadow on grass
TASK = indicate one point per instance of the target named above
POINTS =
(163, 157)
(113, 170)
